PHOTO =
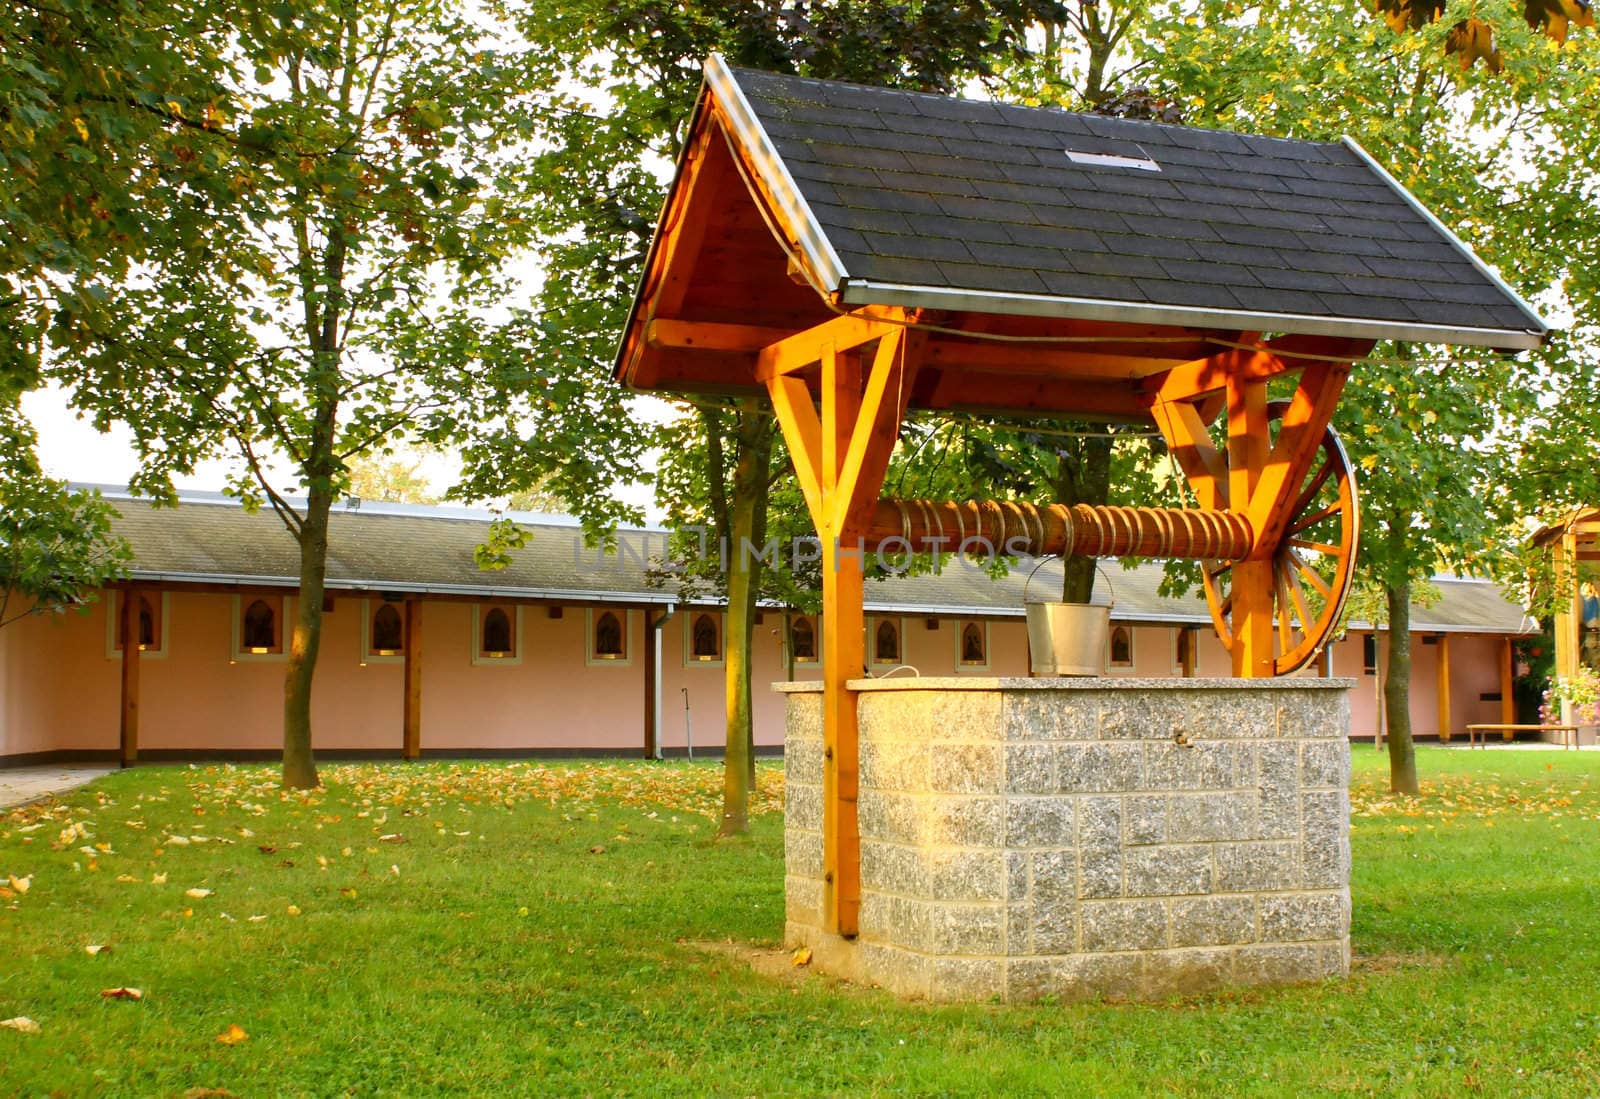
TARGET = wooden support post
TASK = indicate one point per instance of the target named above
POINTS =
(1508, 691)
(412, 745)
(1443, 687)
(128, 633)
(1249, 444)
(840, 459)
(650, 717)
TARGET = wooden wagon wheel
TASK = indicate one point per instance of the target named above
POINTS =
(1312, 565)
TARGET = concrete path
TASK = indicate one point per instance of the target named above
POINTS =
(24, 784)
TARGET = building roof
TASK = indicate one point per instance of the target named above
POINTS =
(406, 549)
(924, 200)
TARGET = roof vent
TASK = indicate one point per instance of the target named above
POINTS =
(1110, 160)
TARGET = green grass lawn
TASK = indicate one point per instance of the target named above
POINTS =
(521, 929)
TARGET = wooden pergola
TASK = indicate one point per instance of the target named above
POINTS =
(858, 254)
(1574, 546)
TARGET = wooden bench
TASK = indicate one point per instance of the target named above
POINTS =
(1508, 731)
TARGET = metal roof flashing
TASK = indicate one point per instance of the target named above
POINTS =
(747, 129)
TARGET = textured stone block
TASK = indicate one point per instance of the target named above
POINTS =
(1314, 715)
(1166, 871)
(802, 806)
(949, 715)
(803, 900)
(803, 717)
(894, 868)
(1209, 765)
(1039, 822)
(894, 765)
(1205, 818)
(1304, 917)
(1325, 855)
(890, 817)
(1099, 847)
(967, 929)
(1290, 964)
(1040, 715)
(1144, 819)
(1098, 768)
(1122, 925)
(967, 875)
(1144, 715)
(1325, 763)
(1183, 972)
(1030, 769)
(802, 759)
(1240, 714)
(1256, 867)
(1213, 921)
(1278, 783)
(802, 852)
(954, 820)
(965, 768)
(968, 979)
(1053, 902)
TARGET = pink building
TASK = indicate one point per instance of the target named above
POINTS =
(567, 651)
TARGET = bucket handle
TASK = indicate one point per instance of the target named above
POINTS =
(1111, 600)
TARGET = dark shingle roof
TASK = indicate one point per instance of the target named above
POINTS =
(386, 548)
(952, 195)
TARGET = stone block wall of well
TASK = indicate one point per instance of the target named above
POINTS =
(1108, 838)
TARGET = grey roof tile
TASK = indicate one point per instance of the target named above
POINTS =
(1276, 219)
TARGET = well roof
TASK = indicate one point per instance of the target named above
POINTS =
(927, 200)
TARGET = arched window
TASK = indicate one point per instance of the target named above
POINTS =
(705, 638)
(973, 647)
(803, 640)
(608, 637)
(886, 642)
(147, 624)
(497, 633)
(1121, 647)
(388, 632)
(1184, 655)
(259, 633)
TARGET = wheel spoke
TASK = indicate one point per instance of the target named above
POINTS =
(1314, 486)
(1312, 575)
(1315, 518)
(1298, 594)
(1320, 547)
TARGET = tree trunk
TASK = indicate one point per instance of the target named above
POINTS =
(1397, 693)
(1083, 476)
(745, 515)
(299, 768)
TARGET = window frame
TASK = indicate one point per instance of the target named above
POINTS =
(480, 659)
(692, 661)
(873, 622)
(282, 608)
(162, 630)
(595, 660)
(369, 611)
(1369, 640)
(1111, 648)
(1178, 634)
(962, 664)
(816, 639)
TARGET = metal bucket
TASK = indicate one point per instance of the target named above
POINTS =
(1067, 638)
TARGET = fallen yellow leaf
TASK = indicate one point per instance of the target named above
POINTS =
(21, 885)
(802, 956)
(96, 948)
(21, 1023)
(197, 894)
(293, 910)
(122, 993)
(233, 1035)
